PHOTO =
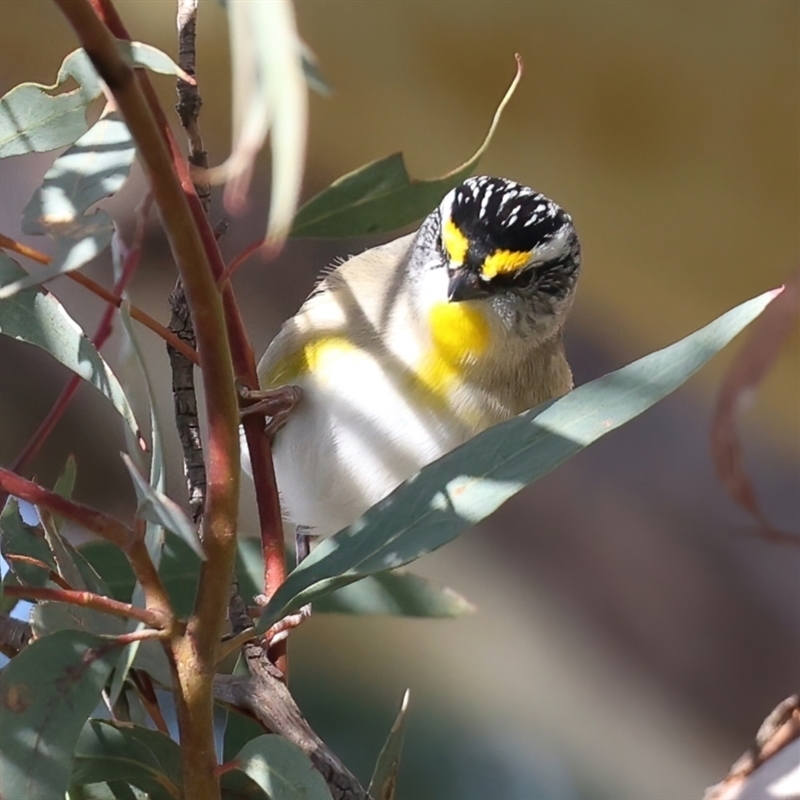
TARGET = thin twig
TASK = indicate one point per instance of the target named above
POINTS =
(52, 575)
(104, 330)
(137, 313)
(187, 419)
(87, 600)
(103, 525)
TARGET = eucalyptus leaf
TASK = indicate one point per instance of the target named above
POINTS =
(457, 491)
(394, 593)
(382, 196)
(107, 751)
(152, 658)
(36, 317)
(281, 769)
(269, 97)
(46, 693)
(17, 538)
(33, 119)
(94, 168)
(156, 507)
(235, 785)
(384, 777)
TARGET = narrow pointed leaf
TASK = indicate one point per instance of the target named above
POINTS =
(156, 507)
(382, 196)
(395, 593)
(46, 694)
(152, 659)
(17, 538)
(147, 759)
(384, 777)
(463, 487)
(282, 769)
(37, 318)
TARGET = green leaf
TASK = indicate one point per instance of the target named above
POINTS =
(382, 196)
(394, 593)
(282, 769)
(156, 507)
(51, 616)
(109, 751)
(33, 119)
(463, 487)
(145, 55)
(37, 318)
(65, 484)
(17, 538)
(152, 659)
(46, 694)
(384, 777)
(94, 168)
(235, 785)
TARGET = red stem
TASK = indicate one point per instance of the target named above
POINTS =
(103, 525)
(87, 600)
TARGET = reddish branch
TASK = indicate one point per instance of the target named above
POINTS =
(104, 526)
(271, 527)
(100, 337)
(87, 600)
(195, 652)
(97, 522)
(104, 294)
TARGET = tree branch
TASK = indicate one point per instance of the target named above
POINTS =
(194, 653)
(88, 600)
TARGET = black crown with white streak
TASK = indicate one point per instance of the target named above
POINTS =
(499, 214)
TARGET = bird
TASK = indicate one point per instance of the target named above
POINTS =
(408, 349)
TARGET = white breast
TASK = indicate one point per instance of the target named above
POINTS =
(352, 440)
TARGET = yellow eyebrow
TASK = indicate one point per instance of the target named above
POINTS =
(454, 242)
(502, 262)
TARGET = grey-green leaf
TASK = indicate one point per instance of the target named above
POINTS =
(34, 120)
(95, 167)
(17, 538)
(463, 487)
(46, 694)
(384, 776)
(395, 593)
(382, 196)
(147, 759)
(282, 769)
(38, 318)
(156, 507)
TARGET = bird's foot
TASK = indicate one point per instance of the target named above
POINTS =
(275, 404)
(281, 629)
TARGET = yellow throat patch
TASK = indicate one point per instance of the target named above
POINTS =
(460, 335)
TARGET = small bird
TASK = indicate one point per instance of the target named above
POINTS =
(409, 349)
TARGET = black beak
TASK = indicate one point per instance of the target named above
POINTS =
(465, 285)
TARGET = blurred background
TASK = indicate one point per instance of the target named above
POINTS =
(631, 630)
